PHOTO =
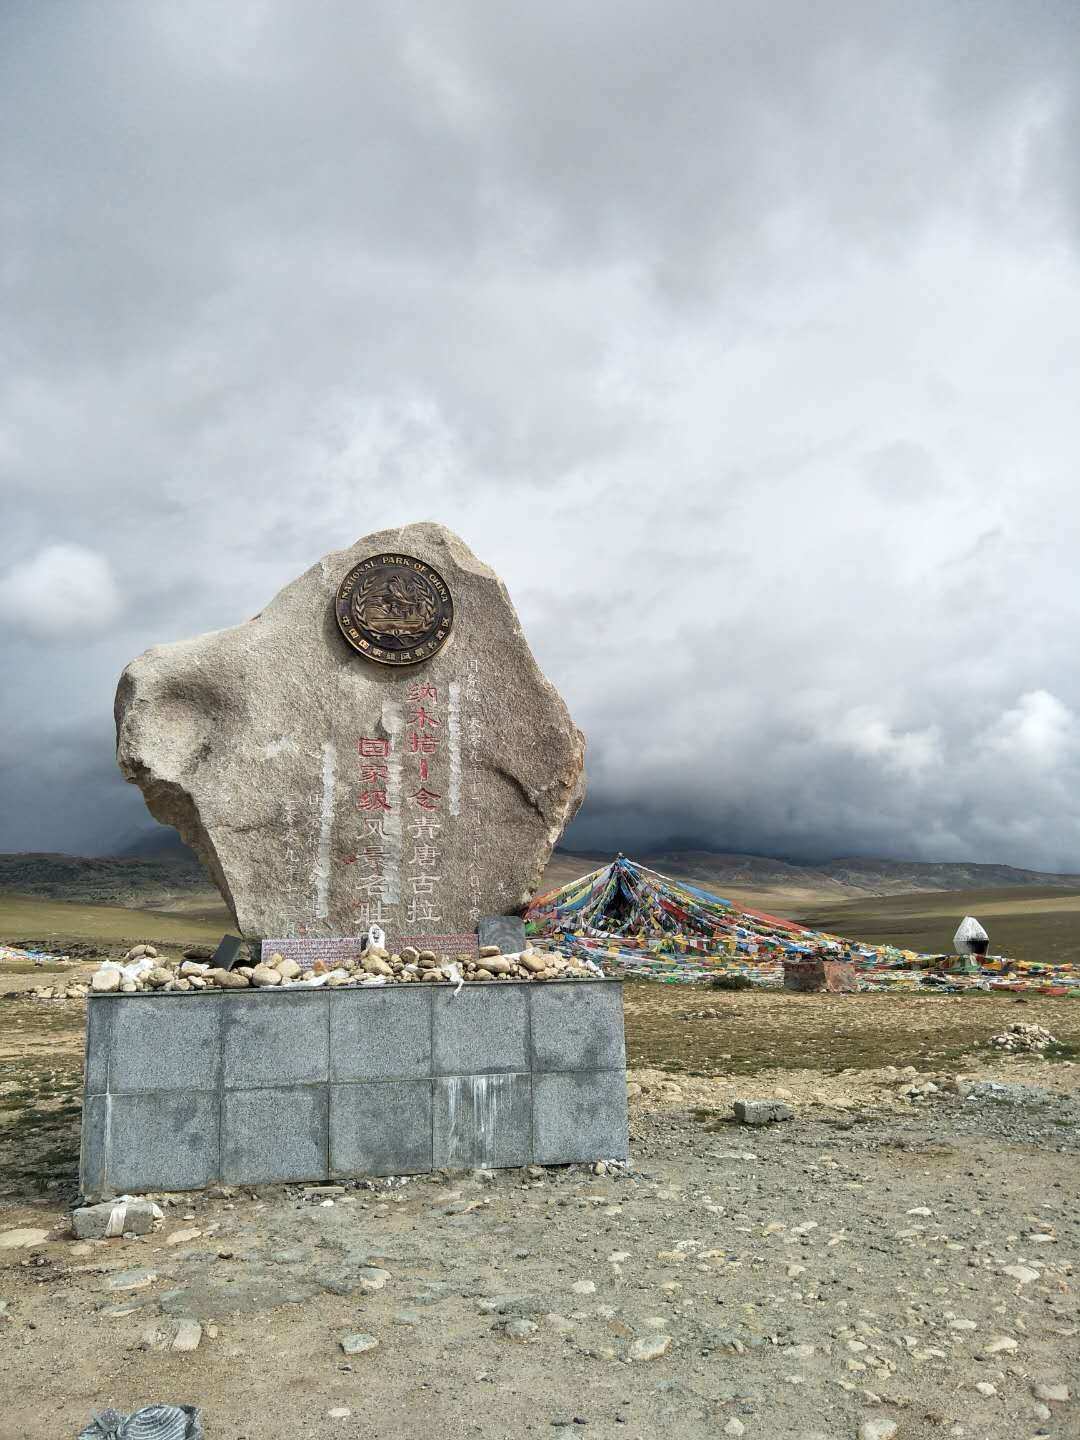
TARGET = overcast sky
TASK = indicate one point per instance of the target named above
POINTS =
(742, 339)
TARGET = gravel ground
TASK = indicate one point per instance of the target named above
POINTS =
(879, 1261)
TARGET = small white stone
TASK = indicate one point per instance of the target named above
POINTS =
(188, 1335)
(879, 1427)
(21, 1238)
(341, 1412)
(181, 1237)
(1056, 1393)
(650, 1347)
(356, 1344)
(985, 1388)
(372, 1278)
(584, 1287)
(1021, 1273)
(999, 1345)
(734, 1427)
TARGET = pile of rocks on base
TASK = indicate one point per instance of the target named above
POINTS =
(376, 966)
(1023, 1039)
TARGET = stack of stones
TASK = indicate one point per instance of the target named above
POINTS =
(75, 991)
(376, 966)
(1020, 1039)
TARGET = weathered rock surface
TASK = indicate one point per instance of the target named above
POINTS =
(123, 1216)
(761, 1112)
(325, 792)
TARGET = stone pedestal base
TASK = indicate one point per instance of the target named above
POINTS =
(183, 1090)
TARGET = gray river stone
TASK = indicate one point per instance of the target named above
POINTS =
(325, 792)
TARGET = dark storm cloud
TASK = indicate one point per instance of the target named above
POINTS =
(741, 339)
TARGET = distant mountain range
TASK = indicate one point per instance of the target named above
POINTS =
(167, 872)
(128, 880)
(835, 879)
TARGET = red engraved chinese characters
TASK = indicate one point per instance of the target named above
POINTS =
(423, 768)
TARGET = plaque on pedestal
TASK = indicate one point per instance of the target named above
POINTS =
(330, 949)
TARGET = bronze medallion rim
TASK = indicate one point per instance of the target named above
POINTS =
(412, 646)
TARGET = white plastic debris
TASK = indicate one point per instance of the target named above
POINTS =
(128, 972)
(454, 975)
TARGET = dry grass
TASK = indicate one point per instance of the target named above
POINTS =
(190, 922)
(773, 1030)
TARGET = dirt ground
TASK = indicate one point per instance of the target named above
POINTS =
(855, 1264)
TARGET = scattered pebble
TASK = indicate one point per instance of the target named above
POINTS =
(131, 1280)
(878, 1427)
(1058, 1394)
(1023, 1274)
(519, 1328)
(188, 1336)
(359, 1342)
(20, 1239)
(650, 1347)
(999, 1345)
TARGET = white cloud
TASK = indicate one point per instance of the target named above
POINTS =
(1039, 731)
(63, 590)
(912, 753)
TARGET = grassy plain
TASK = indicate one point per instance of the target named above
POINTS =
(55, 923)
(1027, 924)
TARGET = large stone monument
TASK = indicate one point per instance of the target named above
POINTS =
(376, 746)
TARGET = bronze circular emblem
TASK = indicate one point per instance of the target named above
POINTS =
(394, 609)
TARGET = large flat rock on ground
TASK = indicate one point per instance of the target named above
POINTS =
(325, 792)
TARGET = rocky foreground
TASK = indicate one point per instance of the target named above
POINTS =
(894, 1260)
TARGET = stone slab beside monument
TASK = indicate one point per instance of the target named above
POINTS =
(183, 1091)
